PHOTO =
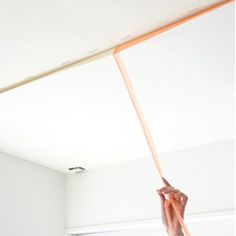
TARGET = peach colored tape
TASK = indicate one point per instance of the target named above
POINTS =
(135, 101)
(146, 131)
(118, 48)
(170, 26)
(139, 112)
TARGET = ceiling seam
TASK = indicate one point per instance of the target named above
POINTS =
(116, 48)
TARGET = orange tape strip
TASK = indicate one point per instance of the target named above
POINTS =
(170, 26)
(146, 131)
(139, 112)
(134, 100)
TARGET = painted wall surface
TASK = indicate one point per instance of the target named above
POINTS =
(217, 227)
(126, 191)
(31, 199)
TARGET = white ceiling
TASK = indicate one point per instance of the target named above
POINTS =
(184, 81)
(40, 35)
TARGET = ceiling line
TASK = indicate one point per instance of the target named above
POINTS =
(170, 26)
(116, 48)
(58, 69)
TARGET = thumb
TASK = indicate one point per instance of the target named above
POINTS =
(162, 197)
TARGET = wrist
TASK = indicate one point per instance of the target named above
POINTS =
(179, 233)
(176, 233)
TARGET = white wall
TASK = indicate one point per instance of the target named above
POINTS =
(31, 199)
(217, 227)
(126, 191)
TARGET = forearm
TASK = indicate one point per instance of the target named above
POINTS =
(180, 233)
(177, 233)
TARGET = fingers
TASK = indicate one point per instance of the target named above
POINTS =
(162, 197)
(181, 197)
(168, 190)
(172, 192)
(178, 196)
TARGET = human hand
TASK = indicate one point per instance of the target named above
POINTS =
(166, 194)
